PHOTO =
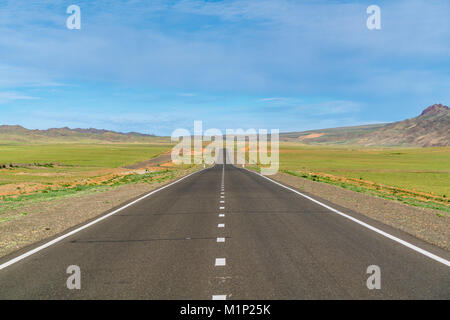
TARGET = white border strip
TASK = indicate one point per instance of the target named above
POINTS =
(48, 244)
(387, 235)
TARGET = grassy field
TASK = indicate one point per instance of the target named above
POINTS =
(419, 173)
(425, 169)
(401, 174)
(32, 173)
(84, 155)
(50, 163)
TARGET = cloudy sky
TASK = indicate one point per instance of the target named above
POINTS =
(154, 66)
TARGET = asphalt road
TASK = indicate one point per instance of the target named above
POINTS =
(276, 245)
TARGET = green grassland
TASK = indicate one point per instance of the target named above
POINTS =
(60, 160)
(415, 176)
(417, 169)
(65, 170)
(85, 155)
(424, 169)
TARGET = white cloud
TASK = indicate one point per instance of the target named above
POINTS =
(253, 46)
(13, 76)
(331, 107)
(272, 99)
(7, 96)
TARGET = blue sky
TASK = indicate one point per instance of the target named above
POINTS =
(154, 66)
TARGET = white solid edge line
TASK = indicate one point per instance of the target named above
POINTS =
(368, 226)
(48, 244)
(219, 297)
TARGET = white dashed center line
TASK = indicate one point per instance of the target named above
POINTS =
(220, 262)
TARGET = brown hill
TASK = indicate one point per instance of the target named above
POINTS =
(15, 133)
(431, 128)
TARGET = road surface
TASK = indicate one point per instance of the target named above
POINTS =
(250, 239)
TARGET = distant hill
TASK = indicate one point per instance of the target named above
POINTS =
(341, 135)
(17, 133)
(431, 128)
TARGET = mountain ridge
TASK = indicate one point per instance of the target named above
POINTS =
(429, 129)
(17, 133)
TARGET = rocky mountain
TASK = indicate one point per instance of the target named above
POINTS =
(431, 128)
